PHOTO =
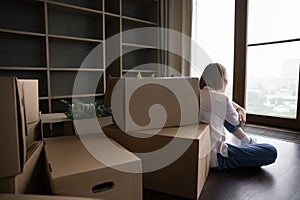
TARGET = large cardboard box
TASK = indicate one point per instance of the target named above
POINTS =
(29, 181)
(39, 197)
(16, 135)
(140, 104)
(184, 176)
(73, 171)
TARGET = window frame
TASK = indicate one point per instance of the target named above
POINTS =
(240, 75)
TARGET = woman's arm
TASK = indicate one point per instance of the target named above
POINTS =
(231, 113)
(241, 113)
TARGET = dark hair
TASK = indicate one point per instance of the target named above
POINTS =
(213, 76)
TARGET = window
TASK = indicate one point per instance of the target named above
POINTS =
(213, 30)
(273, 58)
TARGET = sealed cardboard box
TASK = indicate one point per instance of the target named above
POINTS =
(29, 181)
(16, 135)
(182, 177)
(39, 197)
(74, 171)
(140, 104)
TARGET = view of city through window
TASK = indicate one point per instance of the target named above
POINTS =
(273, 58)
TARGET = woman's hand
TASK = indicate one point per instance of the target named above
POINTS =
(241, 116)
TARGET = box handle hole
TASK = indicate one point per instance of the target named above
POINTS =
(102, 187)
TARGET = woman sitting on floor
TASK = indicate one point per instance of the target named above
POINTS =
(219, 111)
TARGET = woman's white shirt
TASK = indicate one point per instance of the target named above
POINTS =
(215, 107)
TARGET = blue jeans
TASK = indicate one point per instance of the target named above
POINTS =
(248, 156)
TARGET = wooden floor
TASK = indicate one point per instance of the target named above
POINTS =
(279, 181)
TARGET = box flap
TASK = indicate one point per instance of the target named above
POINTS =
(68, 156)
(21, 123)
(194, 132)
(31, 99)
(54, 118)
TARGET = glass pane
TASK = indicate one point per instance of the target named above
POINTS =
(272, 79)
(273, 20)
(213, 30)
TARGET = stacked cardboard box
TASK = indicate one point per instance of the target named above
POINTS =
(140, 130)
(74, 171)
(186, 175)
(19, 123)
(137, 103)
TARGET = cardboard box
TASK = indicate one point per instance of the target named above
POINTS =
(12, 137)
(185, 176)
(15, 135)
(140, 104)
(29, 181)
(39, 197)
(73, 171)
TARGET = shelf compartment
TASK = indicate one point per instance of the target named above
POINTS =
(40, 75)
(140, 37)
(69, 22)
(59, 107)
(114, 68)
(22, 51)
(140, 59)
(112, 26)
(112, 46)
(30, 15)
(44, 106)
(62, 83)
(141, 9)
(95, 5)
(112, 6)
(75, 54)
